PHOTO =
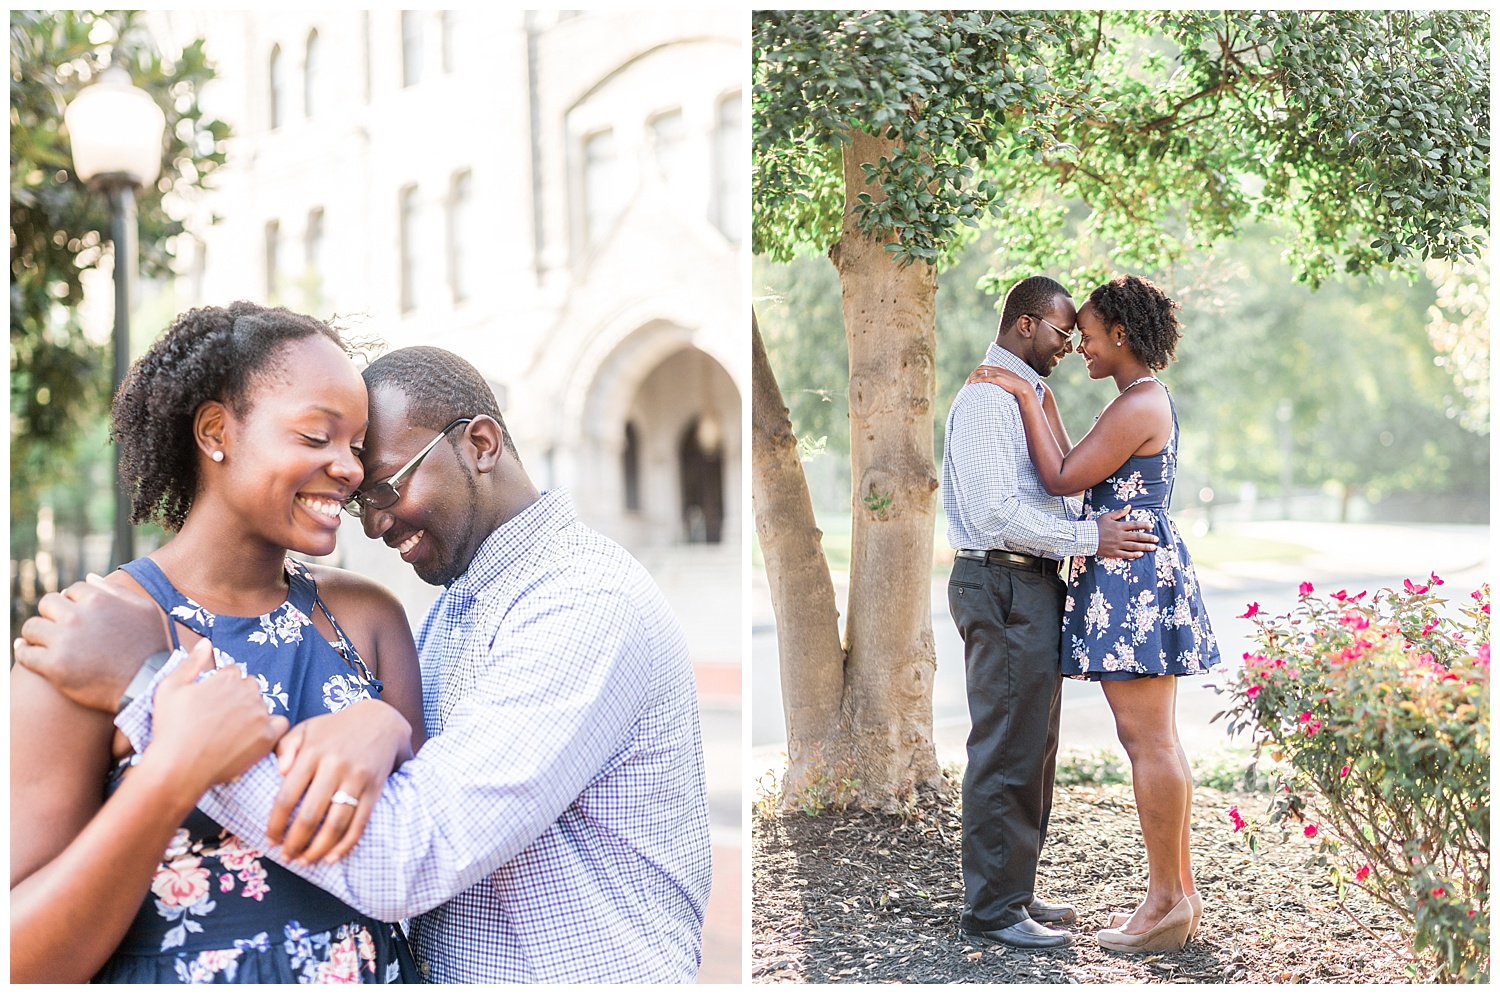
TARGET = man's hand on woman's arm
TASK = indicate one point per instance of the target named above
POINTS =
(79, 871)
(89, 639)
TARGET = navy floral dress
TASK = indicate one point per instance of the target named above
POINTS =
(218, 911)
(1126, 618)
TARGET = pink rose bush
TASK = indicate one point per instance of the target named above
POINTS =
(1379, 705)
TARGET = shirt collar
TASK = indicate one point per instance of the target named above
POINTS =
(999, 355)
(551, 512)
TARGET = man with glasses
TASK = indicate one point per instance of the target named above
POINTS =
(554, 827)
(1006, 598)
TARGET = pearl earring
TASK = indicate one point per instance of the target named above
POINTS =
(218, 456)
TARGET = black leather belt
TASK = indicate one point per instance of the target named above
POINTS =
(1000, 557)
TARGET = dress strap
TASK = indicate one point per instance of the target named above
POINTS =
(150, 576)
(306, 598)
(1143, 379)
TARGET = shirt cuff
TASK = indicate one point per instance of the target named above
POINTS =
(1087, 532)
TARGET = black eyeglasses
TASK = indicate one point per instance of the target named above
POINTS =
(383, 495)
(1067, 335)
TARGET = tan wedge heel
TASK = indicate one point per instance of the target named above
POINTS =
(1169, 934)
(1117, 919)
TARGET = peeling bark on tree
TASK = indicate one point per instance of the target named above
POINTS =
(807, 618)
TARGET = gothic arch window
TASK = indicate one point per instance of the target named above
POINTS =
(313, 246)
(631, 465)
(411, 47)
(278, 88)
(603, 198)
(701, 465)
(273, 261)
(669, 146)
(461, 236)
(312, 70)
(408, 238)
(728, 169)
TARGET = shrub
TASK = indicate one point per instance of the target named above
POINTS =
(1101, 766)
(1379, 706)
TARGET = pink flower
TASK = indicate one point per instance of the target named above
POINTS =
(1251, 610)
(180, 883)
(1304, 589)
(226, 882)
(254, 876)
(1313, 726)
(1435, 580)
(1483, 656)
(1304, 717)
(1438, 892)
(1341, 596)
(1362, 873)
(1234, 816)
(1344, 772)
(1412, 588)
(1431, 625)
(342, 966)
(1252, 691)
(1310, 831)
(215, 960)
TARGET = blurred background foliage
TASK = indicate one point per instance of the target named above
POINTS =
(1369, 389)
(59, 375)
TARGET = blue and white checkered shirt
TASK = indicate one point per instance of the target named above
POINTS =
(555, 826)
(992, 495)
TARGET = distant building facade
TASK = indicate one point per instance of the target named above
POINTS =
(560, 197)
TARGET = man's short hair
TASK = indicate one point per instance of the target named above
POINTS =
(439, 387)
(1034, 295)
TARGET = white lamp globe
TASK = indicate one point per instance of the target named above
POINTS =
(115, 128)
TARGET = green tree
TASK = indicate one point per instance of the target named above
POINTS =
(1122, 138)
(60, 229)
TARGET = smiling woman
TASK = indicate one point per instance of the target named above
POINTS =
(241, 431)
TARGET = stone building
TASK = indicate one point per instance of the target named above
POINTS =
(560, 197)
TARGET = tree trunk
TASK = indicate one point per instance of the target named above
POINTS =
(807, 618)
(890, 323)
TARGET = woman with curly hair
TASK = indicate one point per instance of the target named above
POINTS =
(1134, 625)
(240, 433)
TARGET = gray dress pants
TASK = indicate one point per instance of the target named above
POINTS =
(1010, 618)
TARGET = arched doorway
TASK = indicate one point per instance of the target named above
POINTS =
(700, 464)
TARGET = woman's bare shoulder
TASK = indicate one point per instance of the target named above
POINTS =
(343, 589)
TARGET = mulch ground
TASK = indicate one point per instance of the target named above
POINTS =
(870, 898)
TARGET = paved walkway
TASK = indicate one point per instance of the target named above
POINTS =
(719, 710)
(1356, 557)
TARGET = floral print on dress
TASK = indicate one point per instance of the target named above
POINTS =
(180, 889)
(1140, 616)
(192, 612)
(342, 690)
(282, 626)
(1129, 488)
(339, 956)
(219, 911)
(202, 968)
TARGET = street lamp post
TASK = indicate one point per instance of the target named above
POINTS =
(116, 132)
